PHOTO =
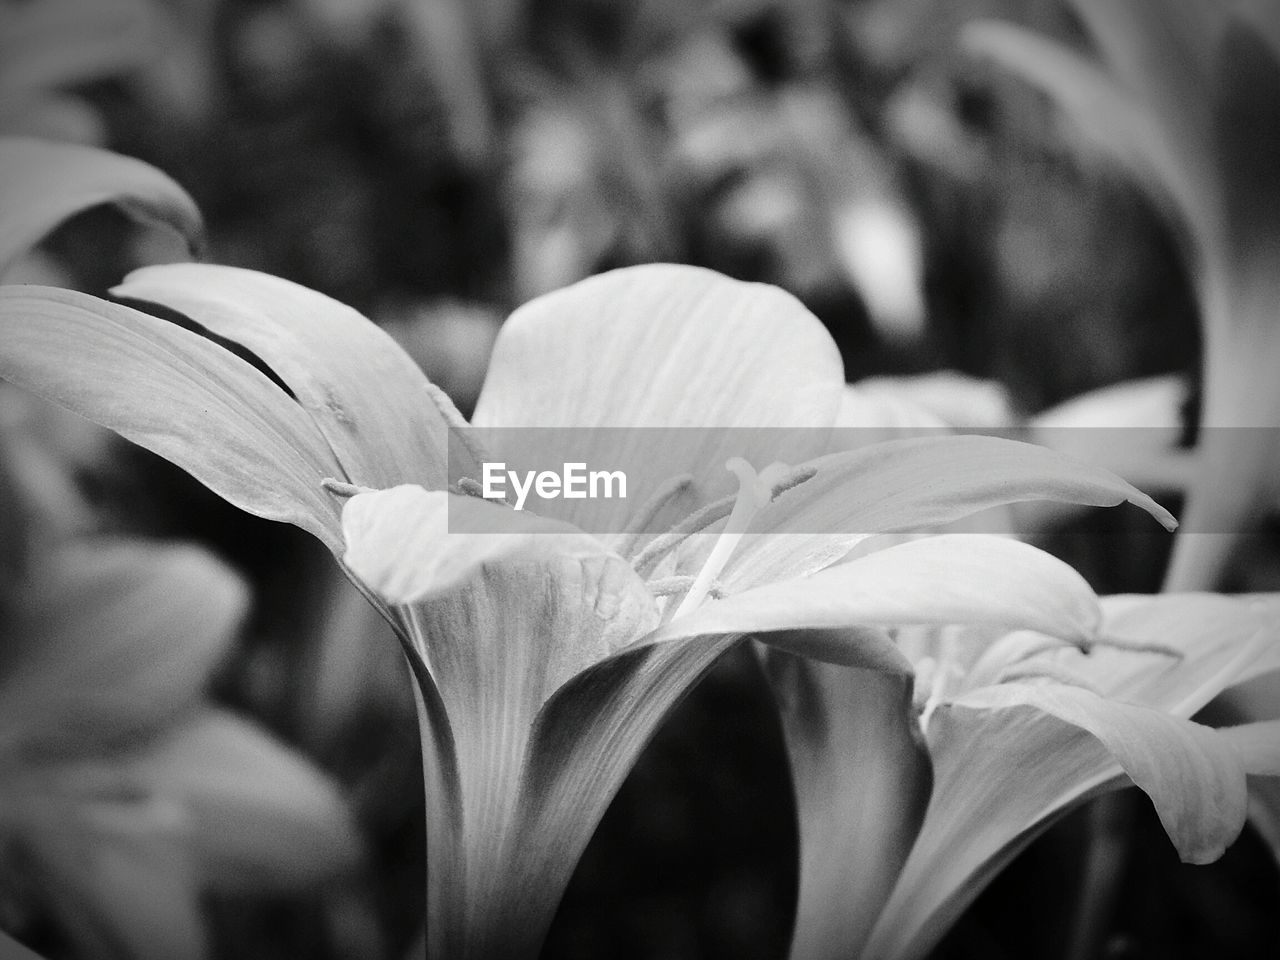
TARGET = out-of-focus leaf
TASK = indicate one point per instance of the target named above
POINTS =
(53, 44)
(121, 894)
(1111, 116)
(45, 183)
(258, 815)
(109, 641)
(178, 395)
(382, 418)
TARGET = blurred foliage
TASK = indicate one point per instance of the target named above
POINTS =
(435, 163)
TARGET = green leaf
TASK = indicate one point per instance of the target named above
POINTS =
(176, 394)
(383, 419)
(46, 183)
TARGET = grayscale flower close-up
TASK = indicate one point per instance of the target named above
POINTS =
(568, 479)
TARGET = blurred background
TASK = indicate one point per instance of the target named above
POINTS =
(435, 163)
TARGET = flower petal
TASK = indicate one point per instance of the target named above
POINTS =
(661, 346)
(175, 393)
(11, 949)
(1256, 745)
(945, 398)
(862, 780)
(1221, 641)
(46, 183)
(1000, 779)
(488, 654)
(1197, 785)
(384, 420)
(399, 542)
(112, 641)
(914, 484)
(952, 578)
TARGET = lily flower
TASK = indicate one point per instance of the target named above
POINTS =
(914, 790)
(545, 656)
(1185, 95)
(123, 796)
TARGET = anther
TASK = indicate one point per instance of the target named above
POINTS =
(669, 586)
(340, 488)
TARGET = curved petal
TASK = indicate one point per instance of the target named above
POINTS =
(384, 420)
(46, 183)
(11, 949)
(862, 780)
(177, 394)
(258, 815)
(112, 641)
(586, 739)
(1195, 781)
(493, 650)
(914, 484)
(951, 578)
(1000, 779)
(399, 542)
(1256, 745)
(943, 399)
(1221, 641)
(662, 346)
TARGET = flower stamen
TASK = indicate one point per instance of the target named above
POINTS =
(704, 517)
(755, 491)
(340, 488)
(670, 488)
(669, 586)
